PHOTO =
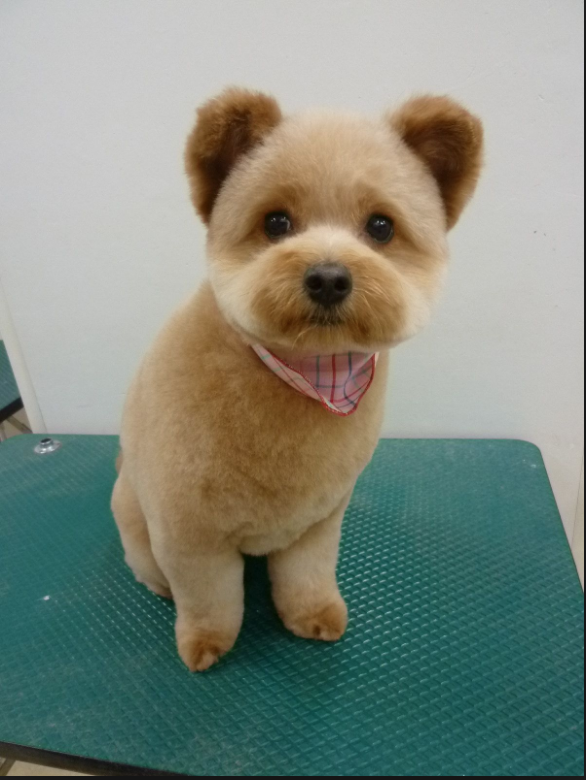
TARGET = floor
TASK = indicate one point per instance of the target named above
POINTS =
(11, 430)
(28, 770)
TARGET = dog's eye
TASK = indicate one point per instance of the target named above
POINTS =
(382, 229)
(278, 224)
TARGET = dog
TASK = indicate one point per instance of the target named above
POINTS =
(261, 402)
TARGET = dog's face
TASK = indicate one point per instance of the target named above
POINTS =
(327, 233)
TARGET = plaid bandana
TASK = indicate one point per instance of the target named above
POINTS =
(338, 382)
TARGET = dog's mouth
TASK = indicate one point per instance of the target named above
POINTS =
(327, 319)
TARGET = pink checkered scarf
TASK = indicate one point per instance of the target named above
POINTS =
(338, 382)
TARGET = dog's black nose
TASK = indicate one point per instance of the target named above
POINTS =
(328, 283)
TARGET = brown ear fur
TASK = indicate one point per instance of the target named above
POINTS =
(227, 127)
(449, 140)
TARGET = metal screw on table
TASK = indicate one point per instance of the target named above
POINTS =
(47, 446)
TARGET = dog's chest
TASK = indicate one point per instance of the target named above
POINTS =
(285, 476)
(270, 463)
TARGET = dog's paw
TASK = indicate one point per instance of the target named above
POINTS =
(326, 623)
(200, 651)
(158, 590)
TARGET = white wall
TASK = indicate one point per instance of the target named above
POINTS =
(98, 241)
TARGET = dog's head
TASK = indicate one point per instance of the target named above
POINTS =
(327, 232)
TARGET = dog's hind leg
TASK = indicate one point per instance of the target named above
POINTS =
(135, 538)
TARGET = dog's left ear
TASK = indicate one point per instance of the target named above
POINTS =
(227, 127)
(449, 140)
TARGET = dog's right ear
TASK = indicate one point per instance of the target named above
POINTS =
(227, 127)
(448, 139)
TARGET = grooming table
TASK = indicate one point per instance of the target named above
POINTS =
(10, 402)
(464, 654)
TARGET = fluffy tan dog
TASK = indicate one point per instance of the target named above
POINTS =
(327, 237)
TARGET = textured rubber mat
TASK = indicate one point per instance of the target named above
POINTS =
(8, 390)
(464, 654)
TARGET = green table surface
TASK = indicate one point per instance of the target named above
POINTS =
(464, 654)
(9, 394)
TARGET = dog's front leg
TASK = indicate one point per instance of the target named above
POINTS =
(208, 588)
(305, 588)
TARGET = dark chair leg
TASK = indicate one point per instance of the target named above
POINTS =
(5, 766)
